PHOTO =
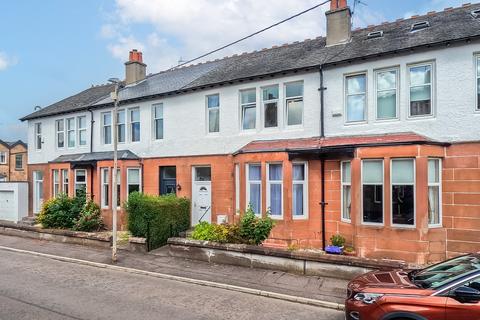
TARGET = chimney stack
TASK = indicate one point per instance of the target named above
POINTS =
(339, 23)
(135, 69)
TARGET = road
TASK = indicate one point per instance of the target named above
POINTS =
(40, 288)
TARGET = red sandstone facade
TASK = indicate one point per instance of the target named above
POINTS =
(460, 220)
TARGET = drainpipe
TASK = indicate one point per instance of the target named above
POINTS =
(322, 159)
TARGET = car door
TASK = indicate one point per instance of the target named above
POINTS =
(463, 301)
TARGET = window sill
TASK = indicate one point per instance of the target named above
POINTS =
(346, 220)
(300, 218)
(435, 226)
(425, 117)
(373, 224)
(387, 120)
(355, 123)
(276, 217)
(404, 226)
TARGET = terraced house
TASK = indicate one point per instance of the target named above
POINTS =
(371, 133)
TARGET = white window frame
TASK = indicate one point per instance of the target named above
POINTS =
(65, 180)
(17, 155)
(154, 121)
(477, 78)
(124, 124)
(249, 182)
(293, 98)
(439, 185)
(37, 182)
(37, 127)
(237, 188)
(397, 93)
(383, 193)
(3, 157)
(432, 89)
(208, 114)
(119, 188)
(80, 130)
(76, 183)
(104, 194)
(60, 132)
(139, 179)
(131, 122)
(346, 95)
(56, 182)
(71, 130)
(248, 105)
(397, 225)
(269, 183)
(263, 118)
(104, 126)
(343, 184)
(303, 182)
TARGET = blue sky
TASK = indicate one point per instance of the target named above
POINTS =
(51, 49)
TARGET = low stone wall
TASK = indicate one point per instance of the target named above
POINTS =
(57, 235)
(299, 262)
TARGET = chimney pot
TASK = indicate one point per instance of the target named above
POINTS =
(135, 69)
(338, 4)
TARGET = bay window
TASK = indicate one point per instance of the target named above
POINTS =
(213, 113)
(274, 189)
(248, 108)
(119, 192)
(478, 82)
(80, 181)
(372, 191)
(56, 182)
(133, 180)
(71, 132)
(121, 129)
(346, 190)
(105, 191)
(387, 94)
(403, 191)
(434, 192)
(356, 97)
(270, 106)
(294, 103)
(134, 118)
(82, 130)
(157, 110)
(254, 187)
(60, 130)
(65, 181)
(421, 90)
(300, 190)
(107, 127)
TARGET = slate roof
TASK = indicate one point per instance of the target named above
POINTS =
(318, 143)
(95, 156)
(11, 144)
(448, 26)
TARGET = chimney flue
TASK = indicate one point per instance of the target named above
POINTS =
(135, 69)
(339, 23)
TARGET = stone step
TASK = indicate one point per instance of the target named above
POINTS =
(29, 221)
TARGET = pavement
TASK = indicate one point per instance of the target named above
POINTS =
(310, 287)
(41, 288)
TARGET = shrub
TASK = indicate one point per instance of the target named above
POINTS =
(255, 230)
(90, 218)
(337, 240)
(157, 217)
(57, 213)
(251, 230)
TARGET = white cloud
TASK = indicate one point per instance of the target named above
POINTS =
(186, 29)
(6, 61)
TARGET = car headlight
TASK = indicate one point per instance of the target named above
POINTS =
(368, 298)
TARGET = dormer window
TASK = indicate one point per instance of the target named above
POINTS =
(419, 26)
(476, 13)
(375, 34)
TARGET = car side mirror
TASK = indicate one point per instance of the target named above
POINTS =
(467, 294)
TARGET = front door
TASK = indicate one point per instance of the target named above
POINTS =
(201, 195)
(37, 191)
(168, 180)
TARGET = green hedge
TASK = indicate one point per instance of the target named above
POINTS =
(157, 218)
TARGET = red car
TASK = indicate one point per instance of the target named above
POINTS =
(449, 290)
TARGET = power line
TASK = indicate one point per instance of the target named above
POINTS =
(251, 35)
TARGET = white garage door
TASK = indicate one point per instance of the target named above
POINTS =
(7, 206)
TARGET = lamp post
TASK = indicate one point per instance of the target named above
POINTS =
(114, 96)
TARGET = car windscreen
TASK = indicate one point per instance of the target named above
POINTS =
(440, 274)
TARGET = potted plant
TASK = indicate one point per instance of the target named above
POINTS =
(349, 251)
(336, 247)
